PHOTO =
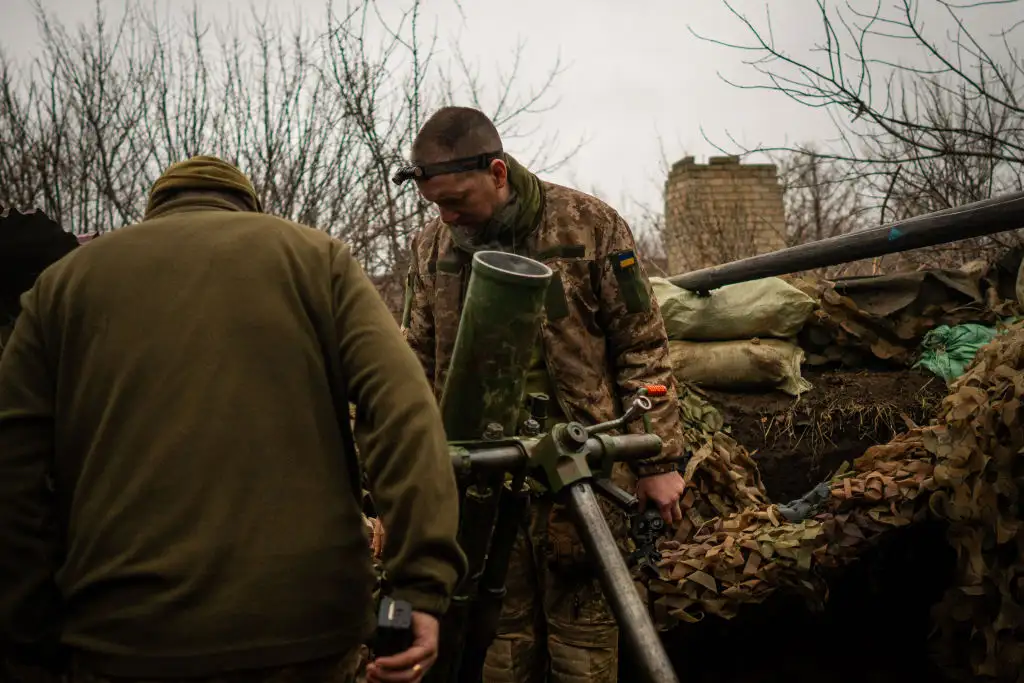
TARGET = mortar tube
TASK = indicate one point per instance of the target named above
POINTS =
(498, 330)
(630, 613)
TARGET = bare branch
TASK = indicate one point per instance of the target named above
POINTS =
(913, 136)
(318, 121)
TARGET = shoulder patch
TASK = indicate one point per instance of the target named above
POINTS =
(632, 287)
(624, 259)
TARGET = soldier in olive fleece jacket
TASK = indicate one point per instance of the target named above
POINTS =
(176, 474)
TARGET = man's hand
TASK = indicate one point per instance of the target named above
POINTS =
(375, 530)
(409, 666)
(664, 490)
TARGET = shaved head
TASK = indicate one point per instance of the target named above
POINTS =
(455, 133)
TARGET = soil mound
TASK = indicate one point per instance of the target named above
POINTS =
(799, 442)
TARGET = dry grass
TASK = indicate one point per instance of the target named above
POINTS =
(837, 413)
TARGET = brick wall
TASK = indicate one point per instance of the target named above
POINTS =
(721, 211)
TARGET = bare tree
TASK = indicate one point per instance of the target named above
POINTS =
(821, 199)
(648, 230)
(824, 198)
(317, 120)
(511, 111)
(926, 135)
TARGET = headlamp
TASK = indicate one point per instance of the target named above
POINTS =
(478, 162)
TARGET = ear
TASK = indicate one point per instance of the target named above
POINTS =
(499, 172)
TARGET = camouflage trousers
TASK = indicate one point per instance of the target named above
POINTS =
(347, 668)
(555, 623)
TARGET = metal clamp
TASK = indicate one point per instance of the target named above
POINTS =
(645, 526)
(640, 405)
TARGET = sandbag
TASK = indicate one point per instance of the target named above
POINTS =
(763, 363)
(948, 351)
(769, 307)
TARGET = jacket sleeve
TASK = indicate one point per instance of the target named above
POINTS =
(417, 317)
(637, 341)
(30, 545)
(402, 443)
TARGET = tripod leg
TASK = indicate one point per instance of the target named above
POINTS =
(630, 612)
(512, 508)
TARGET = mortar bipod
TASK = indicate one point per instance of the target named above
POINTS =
(565, 460)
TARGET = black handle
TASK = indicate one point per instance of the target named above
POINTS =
(394, 628)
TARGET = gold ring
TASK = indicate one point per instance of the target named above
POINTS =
(416, 668)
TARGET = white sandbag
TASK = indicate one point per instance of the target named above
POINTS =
(769, 307)
(754, 363)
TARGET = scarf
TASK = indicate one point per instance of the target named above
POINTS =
(512, 223)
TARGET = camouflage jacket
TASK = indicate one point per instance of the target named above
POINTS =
(603, 335)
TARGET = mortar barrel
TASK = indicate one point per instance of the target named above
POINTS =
(498, 331)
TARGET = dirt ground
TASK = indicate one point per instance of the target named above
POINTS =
(799, 442)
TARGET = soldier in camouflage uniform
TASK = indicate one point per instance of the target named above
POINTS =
(603, 339)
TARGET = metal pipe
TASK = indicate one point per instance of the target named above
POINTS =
(978, 219)
(625, 447)
(507, 458)
(629, 610)
(486, 613)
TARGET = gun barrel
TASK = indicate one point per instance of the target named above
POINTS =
(619, 590)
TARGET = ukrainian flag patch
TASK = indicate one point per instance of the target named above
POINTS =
(632, 285)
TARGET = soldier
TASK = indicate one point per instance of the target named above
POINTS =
(602, 340)
(179, 493)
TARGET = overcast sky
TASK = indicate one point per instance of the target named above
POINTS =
(637, 80)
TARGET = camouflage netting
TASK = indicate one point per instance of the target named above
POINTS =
(723, 478)
(978, 447)
(884, 318)
(964, 470)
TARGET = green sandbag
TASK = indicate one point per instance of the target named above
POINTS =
(947, 351)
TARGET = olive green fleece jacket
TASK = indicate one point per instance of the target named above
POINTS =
(176, 493)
